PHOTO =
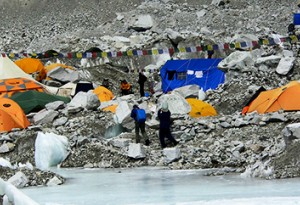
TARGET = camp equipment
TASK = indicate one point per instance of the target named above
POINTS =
(11, 115)
(202, 72)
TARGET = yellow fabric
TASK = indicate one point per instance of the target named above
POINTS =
(282, 98)
(200, 108)
(55, 65)
(11, 115)
(103, 94)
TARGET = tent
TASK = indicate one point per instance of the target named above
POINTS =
(200, 108)
(111, 108)
(246, 106)
(33, 101)
(13, 85)
(67, 89)
(55, 65)
(49, 54)
(11, 115)
(84, 86)
(8, 69)
(202, 72)
(32, 66)
(103, 93)
(283, 98)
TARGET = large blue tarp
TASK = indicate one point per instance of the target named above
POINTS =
(202, 72)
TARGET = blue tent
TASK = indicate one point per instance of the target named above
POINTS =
(202, 72)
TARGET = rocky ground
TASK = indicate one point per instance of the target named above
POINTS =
(252, 144)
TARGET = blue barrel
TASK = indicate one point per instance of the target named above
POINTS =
(297, 19)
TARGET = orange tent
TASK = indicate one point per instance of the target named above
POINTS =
(11, 115)
(32, 66)
(103, 94)
(12, 85)
(200, 108)
(282, 98)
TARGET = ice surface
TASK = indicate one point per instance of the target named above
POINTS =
(14, 196)
(163, 187)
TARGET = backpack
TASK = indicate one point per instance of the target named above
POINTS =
(140, 115)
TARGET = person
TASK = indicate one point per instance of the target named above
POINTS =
(139, 125)
(105, 83)
(141, 81)
(164, 116)
(291, 29)
(125, 87)
(210, 54)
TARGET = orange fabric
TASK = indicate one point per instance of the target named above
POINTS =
(12, 85)
(32, 66)
(245, 110)
(103, 94)
(111, 108)
(11, 115)
(125, 86)
(283, 98)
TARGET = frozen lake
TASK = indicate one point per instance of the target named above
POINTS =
(166, 187)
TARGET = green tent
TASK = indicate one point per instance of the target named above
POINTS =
(34, 101)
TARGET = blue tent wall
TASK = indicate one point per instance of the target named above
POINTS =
(211, 75)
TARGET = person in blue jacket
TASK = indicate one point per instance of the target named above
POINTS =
(164, 116)
(139, 125)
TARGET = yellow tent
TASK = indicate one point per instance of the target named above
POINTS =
(200, 108)
(55, 65)
(103, 94)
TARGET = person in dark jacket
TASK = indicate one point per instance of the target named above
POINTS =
(164, 116)
(139, 126)
(141, 81)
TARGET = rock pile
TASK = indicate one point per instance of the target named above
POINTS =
(259, 145)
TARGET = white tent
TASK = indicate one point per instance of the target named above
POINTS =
(8, 69)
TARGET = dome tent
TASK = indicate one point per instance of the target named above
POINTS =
(33, 101)
(11, 115)
(200, 108)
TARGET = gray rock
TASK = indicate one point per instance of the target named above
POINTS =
(171, 154)
(136, 151)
